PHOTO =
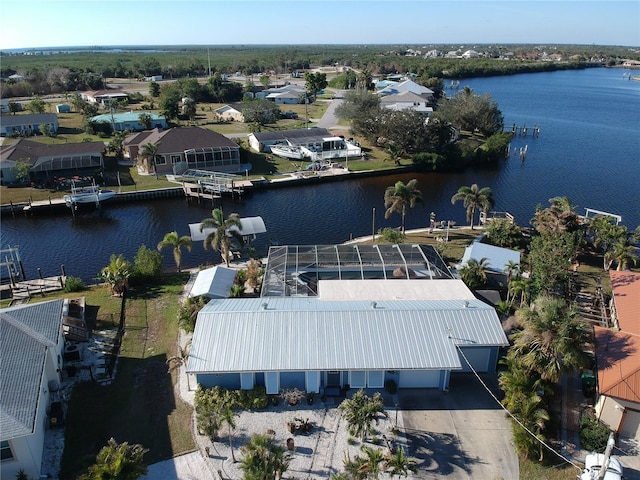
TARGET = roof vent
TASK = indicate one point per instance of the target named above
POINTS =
(265, 305)
(466, 304)
(374, 305)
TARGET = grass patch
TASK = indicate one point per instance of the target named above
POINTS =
(140, 405)
(531, 470)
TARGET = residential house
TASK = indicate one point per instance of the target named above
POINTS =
(335, 317)
(104, 97)
(287, 94)
(307, 137)
(31, 353)
(618, 358)
(28, 124)
(406, 100)
(121, 122)
(231, 112)
(180, 149)
(409, 86)
(49, 161)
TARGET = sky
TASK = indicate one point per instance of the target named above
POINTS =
(55, 23)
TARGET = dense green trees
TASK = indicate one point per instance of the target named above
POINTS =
(471, 112)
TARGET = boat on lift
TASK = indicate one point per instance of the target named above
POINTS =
(288, 151)
(87, 195)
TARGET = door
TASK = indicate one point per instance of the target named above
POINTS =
(333, 379)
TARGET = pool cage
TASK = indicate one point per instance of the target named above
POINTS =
(295, 270)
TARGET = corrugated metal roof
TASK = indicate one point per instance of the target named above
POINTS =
(497, 257)
(626, 295)
(26, 332)
(302, 333)
(315, 134)
(618, 357)
(214, 282)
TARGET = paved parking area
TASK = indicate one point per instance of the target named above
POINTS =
(459, 434)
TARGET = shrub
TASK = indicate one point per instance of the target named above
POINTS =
(392, 236)
(391, 386)
(74, 284)
(593, 433)
(148, 263)
(502, 232)
(188, 313)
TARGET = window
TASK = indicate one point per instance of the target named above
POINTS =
(5, 451)
(175, 159)
(160, 160)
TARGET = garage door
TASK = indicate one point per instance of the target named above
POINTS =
(631, 424)
(358, 379)
(419, 379)
(478, 357)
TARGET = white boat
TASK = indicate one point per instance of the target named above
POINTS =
(87, 195)
(602, 466)
(288, 151)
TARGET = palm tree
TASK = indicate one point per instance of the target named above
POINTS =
(172, 239)
(179, 360)
(399, 464)
(474, 273)
(220, 238)
(474, 198)
(511, 268)
(518, 285)
(117, 274)
(372, 467)
(361, 412)
(263, 459)
(118, 462)
(227, 415)
(558, 218)
(399, 196)
(148, 153)
(624, 254)
(552, 340)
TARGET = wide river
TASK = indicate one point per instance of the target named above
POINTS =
(588, 150)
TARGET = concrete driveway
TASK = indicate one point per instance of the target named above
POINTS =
(460, 434)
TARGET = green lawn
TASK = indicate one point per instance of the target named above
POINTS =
(140, 406)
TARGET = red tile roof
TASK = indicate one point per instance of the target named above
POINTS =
(626, 295)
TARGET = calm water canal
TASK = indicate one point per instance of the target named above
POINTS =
(588, 150)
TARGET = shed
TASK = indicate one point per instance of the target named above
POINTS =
(214, 282)
(63, 108)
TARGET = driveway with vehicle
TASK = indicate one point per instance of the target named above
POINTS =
(459, 434)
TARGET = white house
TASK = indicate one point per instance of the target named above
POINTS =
(406, 100)
(104, 97)
(333, 317)
(31, 352)
(230, 113)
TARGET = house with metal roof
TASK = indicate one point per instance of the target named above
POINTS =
(497, 258)
(31, 352)
(407, 86)
(123, 121)
(28, 124)
(184, 148)
(406, 100)
(618, 358)
(48, 160)
(332, 317)
(230, 112)
(306, 137)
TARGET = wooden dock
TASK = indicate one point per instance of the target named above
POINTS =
(22, 291)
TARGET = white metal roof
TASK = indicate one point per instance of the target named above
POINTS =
(249, 226)
(307, 333)
(497, 257)
(214, 282)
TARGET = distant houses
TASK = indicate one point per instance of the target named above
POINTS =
(28, 124)
(130, 121)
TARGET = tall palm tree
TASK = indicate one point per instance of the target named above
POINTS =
(220, 238)
(179, 360)
(474, 198)
(227, 415)
(263, 459)
(552, 340)
(518, 285)
(176, 242)
(400, 196)
(148, 153)
(118, 461)
(623, 253)
(558, 218)
(511, 268)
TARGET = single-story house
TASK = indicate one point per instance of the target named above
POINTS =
(618, 358)
(230, 113)
(31, 353)
(408, 86)
(184, 148)
(28, 124)
(47, 161)
(406, 100)
(311, 138)
(104, 97)
(130, 121)
(347, 316)
(287, 94)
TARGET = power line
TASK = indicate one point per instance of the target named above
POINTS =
(512, 415)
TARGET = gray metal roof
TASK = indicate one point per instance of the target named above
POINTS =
(300, 135)
(307, 333)
(28, 119)
(26, 333)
